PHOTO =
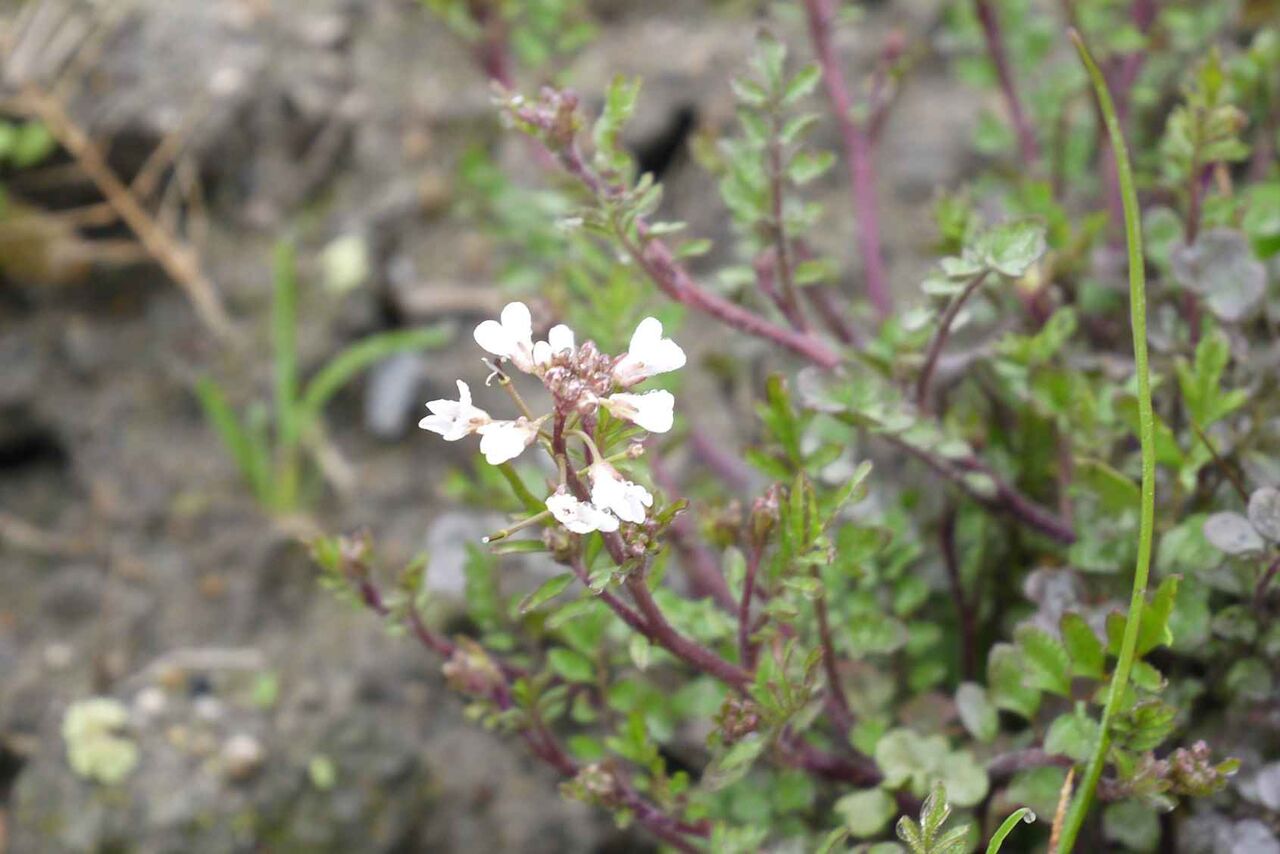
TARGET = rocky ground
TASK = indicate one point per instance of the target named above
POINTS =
(133, 565)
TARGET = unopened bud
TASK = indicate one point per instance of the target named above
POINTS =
(471, 671)
(764, 515)
(737, 719)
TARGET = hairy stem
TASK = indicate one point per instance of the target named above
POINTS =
(1146, 433)
(858, 151)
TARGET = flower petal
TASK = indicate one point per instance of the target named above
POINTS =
(502, 441)
(579, 517)
(648, 355)
(560, 338)
(653, 410)
(493, 337)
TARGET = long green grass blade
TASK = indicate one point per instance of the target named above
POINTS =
(1146, 434)
(359, 356)
(240, 443)
(997, 840)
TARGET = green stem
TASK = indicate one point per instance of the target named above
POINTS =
(1146, 434)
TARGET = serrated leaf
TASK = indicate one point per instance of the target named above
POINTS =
(1047, 662)
(733, 764)
(548, 590)
(1012, 247)
(1153, 630)
(1088, 658)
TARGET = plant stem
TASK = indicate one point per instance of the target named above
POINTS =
(858, 151)
(940, 337)
(1146, 433)
(964, 609)
(665, 634)
(1027, 146)
(746, 651)
(841, 715)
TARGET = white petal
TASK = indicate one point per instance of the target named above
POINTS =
(541, 353)
(577, 516)
(653, 410)
(560, 338)
(464, 393)
(517, 320)
(493, 337)
(648, 355)
(611, 491)
(648, 332)
(454, 419)
(501, 441)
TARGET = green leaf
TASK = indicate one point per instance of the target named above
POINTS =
(977, 712)
(1132, 824)
(1012, 247)
(1088, 657)
(251, 455)
(732, 765)
(1074, 734)
(802, 84)
(808, 165)
(1153, 630)
(865, 813)
(571, 665)
(548, 590)
(639, 649)
(1047, 662)
(1005, 682)
(1115, 492)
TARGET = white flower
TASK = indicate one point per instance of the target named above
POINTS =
(653, 410)
(559, 340)
(501, 441)
(512, 338)
(454, 419)
(648, 355)
(579, 516)
(611, 491)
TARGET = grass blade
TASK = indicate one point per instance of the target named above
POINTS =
(359, 356)
(1146, 434)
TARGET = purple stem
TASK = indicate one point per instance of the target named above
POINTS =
(1027, 145)
(858, 157)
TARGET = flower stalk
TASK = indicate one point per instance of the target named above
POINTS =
(1146, 434)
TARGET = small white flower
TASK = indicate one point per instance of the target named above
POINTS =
(648, 355)
(611, 491)
(559, 340)
(454, 419)
(501, 441)
(512, 338)
(653, 410)
(579, 516)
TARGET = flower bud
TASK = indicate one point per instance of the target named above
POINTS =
(764, 515)
(471, 671)
(737, 719)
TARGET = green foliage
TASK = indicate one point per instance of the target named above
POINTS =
(272, 463)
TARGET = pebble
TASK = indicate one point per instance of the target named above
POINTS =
(392, 395)
(150, 702)
(242, 756)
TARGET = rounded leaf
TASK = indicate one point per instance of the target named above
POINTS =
(866, 813)
(1232, 533)
(1264, 512)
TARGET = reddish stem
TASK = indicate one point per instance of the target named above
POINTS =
(1027, 146)
(699, 657)
(940, 339)
(838, 703)
(858, 157)
(964, 609)
(747, 650)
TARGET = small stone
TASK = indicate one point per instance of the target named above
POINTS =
(1267, 786)
(150, 702)
(1250, 837)
(208, 708)
(242, 756)
(392, 395)
(58, 656)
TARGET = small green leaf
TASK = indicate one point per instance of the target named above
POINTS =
(571, 665)
(802, 84)
(1048, 664)
(1012, 247)
(1074, 734)
(1006, 827)
(977, 712)
(1005, 681)
(548, 590)
(865, 813)
(808, 165)
(1083, 646)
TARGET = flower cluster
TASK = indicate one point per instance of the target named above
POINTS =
(581, 380)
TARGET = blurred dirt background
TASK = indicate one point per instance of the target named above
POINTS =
(134, 564)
